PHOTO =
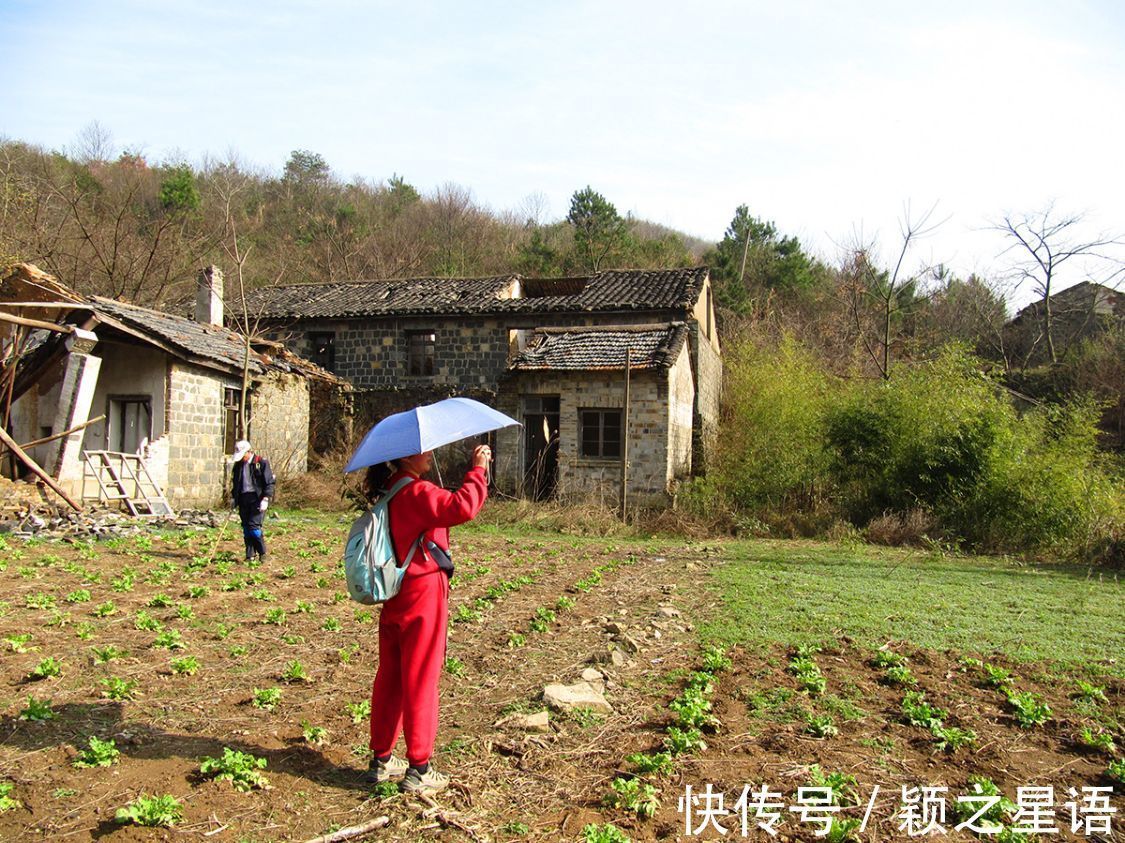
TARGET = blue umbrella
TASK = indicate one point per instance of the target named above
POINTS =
(425, 428)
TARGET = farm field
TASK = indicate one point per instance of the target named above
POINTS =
(737, 663)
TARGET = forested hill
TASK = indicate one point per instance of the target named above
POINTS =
(121, 226)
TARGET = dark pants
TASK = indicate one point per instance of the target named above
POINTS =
(250, 511)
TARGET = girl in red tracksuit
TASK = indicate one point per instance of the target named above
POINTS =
(412, 624)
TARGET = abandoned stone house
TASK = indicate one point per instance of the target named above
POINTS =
(549, 352)
(1078, 313)
(152, 397)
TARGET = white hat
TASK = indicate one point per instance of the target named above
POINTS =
(241, 447)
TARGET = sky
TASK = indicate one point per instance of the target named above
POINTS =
(836, 120)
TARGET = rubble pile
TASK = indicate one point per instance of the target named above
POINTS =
(25, 512)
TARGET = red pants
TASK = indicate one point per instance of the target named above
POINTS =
(404, 696)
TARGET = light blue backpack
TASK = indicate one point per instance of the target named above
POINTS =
(372, 571)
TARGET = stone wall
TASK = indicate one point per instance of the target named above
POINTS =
(681, 414)
(197, 466)
(470, 352)
(279, 423)
(582, 478)
(709, 391)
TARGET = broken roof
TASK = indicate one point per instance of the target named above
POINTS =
(206, 345)
(581, 348)
(611, 290)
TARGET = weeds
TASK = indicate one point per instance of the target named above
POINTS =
(1088, 693)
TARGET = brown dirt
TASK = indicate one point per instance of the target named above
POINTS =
(552, 782)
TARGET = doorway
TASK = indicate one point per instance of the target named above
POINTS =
(130, 423)
(541, 446)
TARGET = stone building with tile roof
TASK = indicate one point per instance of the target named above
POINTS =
(526, 345)
(161, 386)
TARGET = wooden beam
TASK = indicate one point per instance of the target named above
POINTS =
(35, 323)
(48, 305)
(74, 429)
(36, 470)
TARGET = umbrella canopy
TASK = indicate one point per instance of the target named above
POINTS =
(425, 428)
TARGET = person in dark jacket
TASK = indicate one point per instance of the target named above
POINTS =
(251, 489)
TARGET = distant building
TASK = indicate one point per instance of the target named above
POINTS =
(550, 352)
(1077, 313)
(168, 388)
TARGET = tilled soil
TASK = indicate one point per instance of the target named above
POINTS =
(640, 599)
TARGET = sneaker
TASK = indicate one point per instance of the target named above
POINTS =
(430, 781)
(382, 771)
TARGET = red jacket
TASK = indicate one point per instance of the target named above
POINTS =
(422, 505)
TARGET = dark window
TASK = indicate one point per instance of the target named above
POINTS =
(323, 350)
(232, 399)
(130, 422)
(600, 433)
(420, 352)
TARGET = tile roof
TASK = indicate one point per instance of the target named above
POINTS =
(195, 340)
(576, 349)
(612, 290)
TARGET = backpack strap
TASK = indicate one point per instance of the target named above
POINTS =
(394, 490)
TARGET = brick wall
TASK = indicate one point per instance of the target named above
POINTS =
(581, 478)
(279, 423)
(196, 463)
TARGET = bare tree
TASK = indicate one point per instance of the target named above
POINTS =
(1043, 244)
(878, 299)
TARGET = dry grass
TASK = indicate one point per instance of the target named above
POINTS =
(912, 527)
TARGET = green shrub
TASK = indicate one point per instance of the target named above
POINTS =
(155, 811)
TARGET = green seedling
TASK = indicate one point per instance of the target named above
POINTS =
(266, 698)
(385, 790)
(659, 763)
(359, 711)
(18, 643)
(84, 631)
(821, 726)
(564, 603)
(185, 665)
(1102, 741)
(98, 753)
(223, 630)
(917, 712)
(454, 666)
(998, 677)
(169, 639)
(185, 613)
(715, 659)
(104, 610)
(59, 619)
(117, 688)
(160, 601)
(288, 572)
(1029, 709)
(37, 711)
(102, 655)
(465, 614)
(516, 828)
(293, 640)
(1093, 694)
(237, 651)
(275, 616)
(331, 625)
(345, 653)
(39, 601)
(146, 622)
(316, 735)
(81, 595)
(607, 833)
(263, 595)
(197, 591)
(7, 803)
(238, 768)
(516, 639)
(1116, 771)
(899, 675)
(683, 741)
(842, 786)
(303, 607)
(46, 668)
(991, 820)
(295, 672)
(693, 709)
(950, 738)
(633, 795)
(152, 811)
(885, 658)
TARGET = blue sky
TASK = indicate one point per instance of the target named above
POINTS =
(827, 117)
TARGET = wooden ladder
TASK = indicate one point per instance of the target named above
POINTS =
(126, 478)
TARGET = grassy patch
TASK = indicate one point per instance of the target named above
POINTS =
(788, 593)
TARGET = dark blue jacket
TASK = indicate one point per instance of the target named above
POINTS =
(261, 475)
